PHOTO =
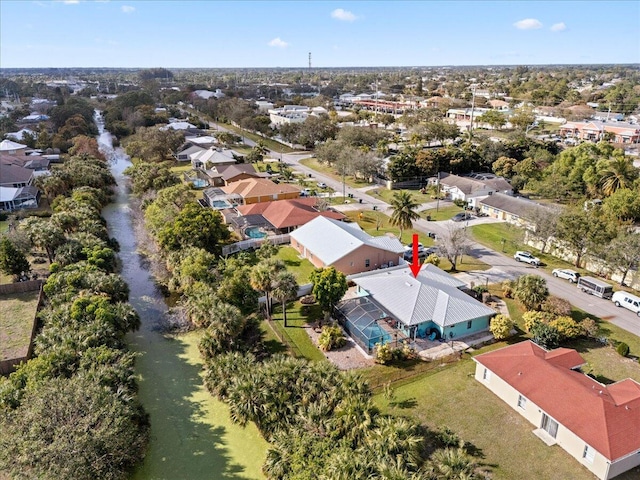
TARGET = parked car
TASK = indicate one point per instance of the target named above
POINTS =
(627, 300)
(322, 185)
(526, 257)
(567, 274)
(459, 217)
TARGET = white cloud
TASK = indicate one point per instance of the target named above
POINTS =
(278, 42)
(70, 2)
(343, 15)
(128, 9)
(558, 27)
(528, 24)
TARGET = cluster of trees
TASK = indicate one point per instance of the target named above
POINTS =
(152, 144)
(548, 319)
(131, 110)
(72, 411)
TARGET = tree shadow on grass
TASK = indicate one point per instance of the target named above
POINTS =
(188, 438)
(404, 404)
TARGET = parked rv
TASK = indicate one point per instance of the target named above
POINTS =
(627, 300)
(596, 287)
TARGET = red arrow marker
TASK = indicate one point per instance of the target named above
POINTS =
(415, 266)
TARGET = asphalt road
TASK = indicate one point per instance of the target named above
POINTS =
(503, 267)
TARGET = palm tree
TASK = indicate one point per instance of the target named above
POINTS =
(452, 464)
(619, 173)
(285, 288)
(404, 212)
(261, 278)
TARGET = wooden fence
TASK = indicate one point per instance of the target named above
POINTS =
(255, 243)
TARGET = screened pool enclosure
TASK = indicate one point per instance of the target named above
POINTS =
(367, 323)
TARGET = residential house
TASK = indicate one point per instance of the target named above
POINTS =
(598, 425)
(608, 116)
(472, 189)
(184, 155)
(19, 135)
(326, 242)
(500, 105)
(255, 190)
(15, 176)
(287, 215)
(596, 130)
(225, 174)
(14, 198)
(12, 148)
(515, 210)
(392, 304)
(209, 158)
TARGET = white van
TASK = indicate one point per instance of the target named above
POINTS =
(627, 300)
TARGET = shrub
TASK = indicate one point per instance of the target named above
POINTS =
(459, 203)
(531, 291)
(507, 288)
(384, 353)
(567, 327)
(623, 349)
(433, 259)
(331, 337)
(532, 318)
(545, 335)
(589, 327)
(557, 306)
(500, 327)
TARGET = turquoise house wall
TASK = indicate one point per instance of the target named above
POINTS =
(460, 330)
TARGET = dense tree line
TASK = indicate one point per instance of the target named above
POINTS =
(72, 411)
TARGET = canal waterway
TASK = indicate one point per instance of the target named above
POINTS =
(192, 436)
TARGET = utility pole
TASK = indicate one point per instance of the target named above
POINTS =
(438, 191)
(473, 104)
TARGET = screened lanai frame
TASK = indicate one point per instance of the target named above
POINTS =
(359, 316)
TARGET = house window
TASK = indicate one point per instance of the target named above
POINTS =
(522, 402)
(486, 375)
(367, 262)
(469, 324)
(588, 454)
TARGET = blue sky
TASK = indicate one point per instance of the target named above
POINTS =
(103, 33)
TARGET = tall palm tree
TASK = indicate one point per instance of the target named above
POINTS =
(261, 278)
(404, 211)
(619, 173)
(285, 288)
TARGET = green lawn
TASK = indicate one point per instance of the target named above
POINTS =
(4, 226)
(493, 234)
(270, 144)
(299, 317)
(331, 172)
(16, 323)
(300, 267)
(453, 398)
(444, 212)
(387, 195)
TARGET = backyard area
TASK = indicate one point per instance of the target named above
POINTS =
(331, 172)
(300, 267)
(501, 436)
(16, 323)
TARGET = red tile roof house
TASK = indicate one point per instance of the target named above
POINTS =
(329, 243)
(255, 190)
(598, 425)
(287, 215)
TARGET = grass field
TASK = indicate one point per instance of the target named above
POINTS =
(444, 212)
(503, 438)
(331, 172)
(4, 226)
(387, 195)
(16, 323)
(270, 144)
(299, 316)
(300, 267)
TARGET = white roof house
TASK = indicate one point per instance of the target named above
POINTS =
(19, 135)
(433, 296)
(328, 242)
(7, 146)
(179, 126)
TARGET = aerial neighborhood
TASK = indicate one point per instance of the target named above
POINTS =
(339, 273)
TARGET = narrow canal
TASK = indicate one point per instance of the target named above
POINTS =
(192, 436)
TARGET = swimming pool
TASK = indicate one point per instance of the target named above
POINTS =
(220, 204)
(255, 232)
(199, 183)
